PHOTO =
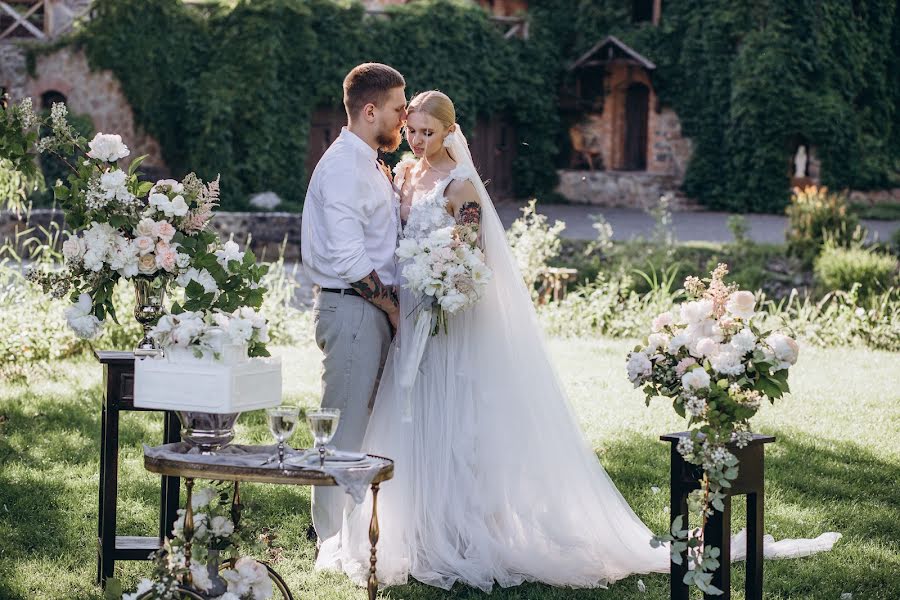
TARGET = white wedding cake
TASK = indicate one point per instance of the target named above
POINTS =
(229, 383)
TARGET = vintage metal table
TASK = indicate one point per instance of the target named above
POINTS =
(190, 469)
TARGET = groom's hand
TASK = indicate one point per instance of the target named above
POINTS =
(383, 296)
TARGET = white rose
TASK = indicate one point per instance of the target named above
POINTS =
(107, 147)
(707, 347)
(144, 244)
(785, 348)
(178, 207)
(657, 341)
(159, 201)
(170, 184)
(145, 227)
(695, 379)
(741, 304)
(638, 367)
(73, 248)
(147, 264)
(696, 311)
(661, 321)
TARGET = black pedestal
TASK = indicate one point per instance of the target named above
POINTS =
(118, 396)
(685, 478)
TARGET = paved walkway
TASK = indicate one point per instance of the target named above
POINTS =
(688, 226)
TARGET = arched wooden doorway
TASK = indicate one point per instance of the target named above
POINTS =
(637, 107)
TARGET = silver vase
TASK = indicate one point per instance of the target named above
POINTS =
(149, 293)
(207, 431)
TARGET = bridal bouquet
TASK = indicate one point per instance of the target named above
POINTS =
(447, 270)
(715, 361)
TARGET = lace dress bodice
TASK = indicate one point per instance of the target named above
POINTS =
(429, 213)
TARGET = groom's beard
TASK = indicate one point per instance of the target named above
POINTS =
(390, 141)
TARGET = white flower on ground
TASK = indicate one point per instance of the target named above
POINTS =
(639, 367)
(143, 587)
(640, 585)
(107, 147)
(248, 578)
(741, 304)
(81, 319)
(695, 379)
(221, 526)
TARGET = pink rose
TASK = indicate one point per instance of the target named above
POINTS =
(166, 260)
(144, 244)
(164, 231)
(161, 247)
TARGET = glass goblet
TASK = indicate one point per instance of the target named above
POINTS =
(323, 423)
(282, 424)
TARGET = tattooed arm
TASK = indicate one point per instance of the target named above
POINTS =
(382, 296)
(465, 206)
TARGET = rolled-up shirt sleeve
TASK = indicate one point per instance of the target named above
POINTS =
(345, 197)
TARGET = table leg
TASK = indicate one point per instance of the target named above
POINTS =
(718, 533)
(100, 493)
(188, 528)
(373, 539)
(678, 507)
(169, 485)
(109, 484)
(753, 585)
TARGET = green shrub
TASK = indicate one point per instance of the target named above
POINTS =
(842, 268)
(814, 214)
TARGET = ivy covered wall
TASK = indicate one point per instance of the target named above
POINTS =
(231, 90)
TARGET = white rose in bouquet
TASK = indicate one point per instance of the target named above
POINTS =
(107, 147)
(146, 227)
(662, 321)
(695, 379)
(73, 248)
(113, 185)
(785, 348)
(177, 207)
(147, 264)
(741, 304)
(144, 244)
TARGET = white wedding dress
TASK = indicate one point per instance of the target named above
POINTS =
(494, 481)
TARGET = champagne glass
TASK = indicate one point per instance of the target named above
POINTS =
(323, 423)
(282, 423)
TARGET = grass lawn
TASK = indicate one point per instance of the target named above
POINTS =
(835, 467)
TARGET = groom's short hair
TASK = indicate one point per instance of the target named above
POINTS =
(369, 83)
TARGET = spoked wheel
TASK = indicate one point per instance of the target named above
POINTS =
(183, 593)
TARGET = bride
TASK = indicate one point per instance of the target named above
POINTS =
(494, 481)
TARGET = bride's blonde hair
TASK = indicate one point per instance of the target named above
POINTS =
(434, 103)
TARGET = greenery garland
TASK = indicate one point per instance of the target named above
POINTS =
(231, 89)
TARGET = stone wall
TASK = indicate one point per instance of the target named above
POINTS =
(96, 94)
(621, 189)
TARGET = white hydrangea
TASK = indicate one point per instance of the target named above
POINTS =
(743, 341)
(639, 367)
(727, 361)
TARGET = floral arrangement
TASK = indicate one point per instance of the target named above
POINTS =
(447, 269)
(215, 531)
(715, 361)
(125, 228)
(211, 331)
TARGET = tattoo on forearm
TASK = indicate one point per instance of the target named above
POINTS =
(372, 289)
(470, 213)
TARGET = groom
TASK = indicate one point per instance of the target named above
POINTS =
(349, 235)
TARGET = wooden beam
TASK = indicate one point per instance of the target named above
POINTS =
(22, 20)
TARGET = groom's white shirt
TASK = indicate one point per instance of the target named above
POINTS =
(350, 217)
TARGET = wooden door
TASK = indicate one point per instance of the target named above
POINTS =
(493, 145)
(324, 128)
(637, 107)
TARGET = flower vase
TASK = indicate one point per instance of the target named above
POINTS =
(207, 432)
(218, 585)
(149, 293)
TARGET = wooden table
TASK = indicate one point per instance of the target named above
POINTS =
(118, 397)
(685, 477)
(270, 473)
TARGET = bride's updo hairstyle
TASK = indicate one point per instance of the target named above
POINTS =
(434, 103)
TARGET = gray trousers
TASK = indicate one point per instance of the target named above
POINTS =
(354, 335)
